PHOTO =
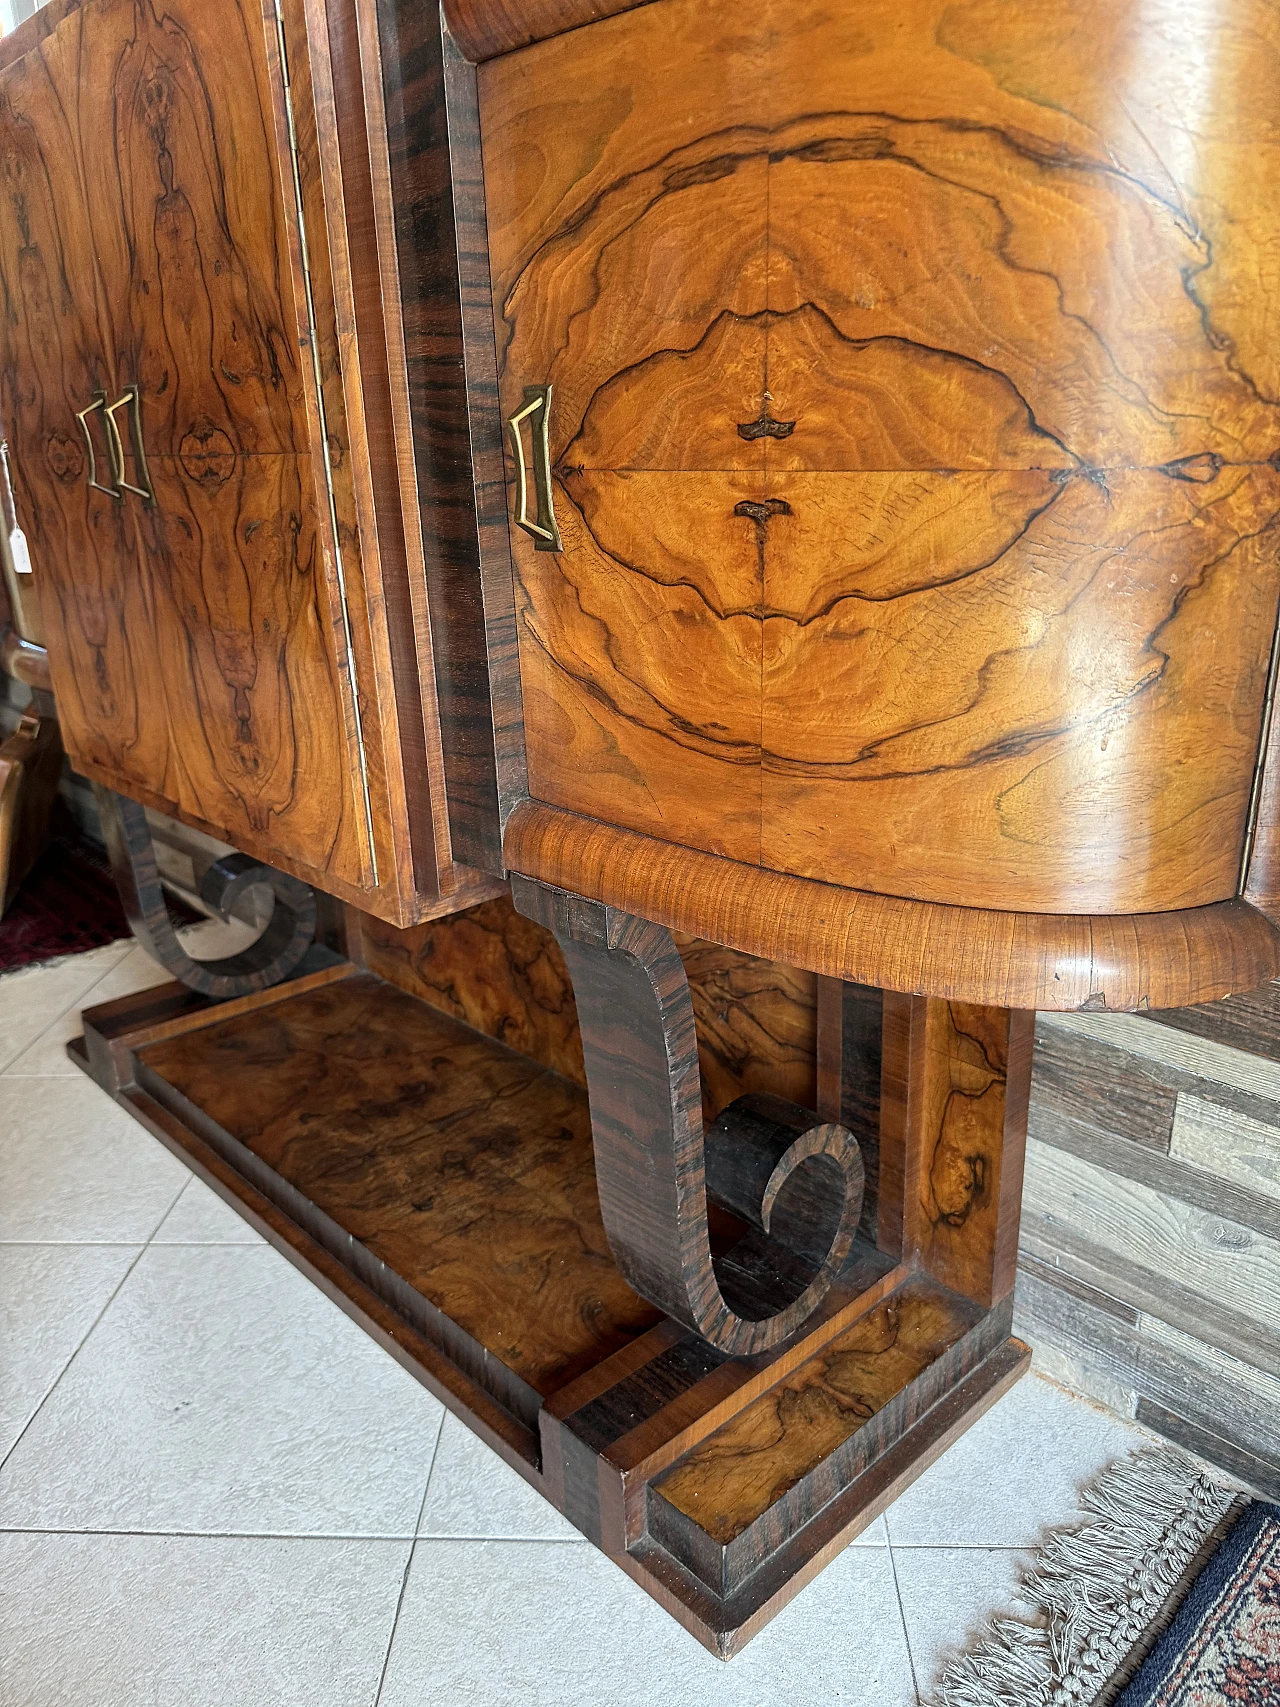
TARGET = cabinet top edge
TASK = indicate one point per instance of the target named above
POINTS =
(484, 29)
(1050, 962)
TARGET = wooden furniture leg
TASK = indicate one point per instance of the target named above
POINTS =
(655, 1165)
(947, 1139)
(956, 1082)
(276, 954)
(30, 766)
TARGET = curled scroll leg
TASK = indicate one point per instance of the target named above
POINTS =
(277, 953)
(796, 1183)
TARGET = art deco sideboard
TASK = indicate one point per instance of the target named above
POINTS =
(874, 420)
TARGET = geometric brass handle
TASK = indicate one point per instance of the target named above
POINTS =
(115, 444)
(99, 402)
(537, 409)
(133, 397)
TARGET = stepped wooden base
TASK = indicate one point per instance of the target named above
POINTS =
(440, 1188)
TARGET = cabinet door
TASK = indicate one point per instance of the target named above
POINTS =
(914, 423)
(630, 271)
(56, 335)
(187, 194)
(249, 724)
(234, 572)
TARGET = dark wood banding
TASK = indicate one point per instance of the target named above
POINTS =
(421, 192)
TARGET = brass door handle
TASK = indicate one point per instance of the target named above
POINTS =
(133, 397)
(99, 402)
(537, 409)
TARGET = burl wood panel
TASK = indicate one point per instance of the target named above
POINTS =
(505, 975)
(56, 335)
(956, 1082)
(757, 1025)
(174, 109)
(914, 414)
(144, 237)
(491, 968)
(248, 661)
(466, 1169)
(744, 1469)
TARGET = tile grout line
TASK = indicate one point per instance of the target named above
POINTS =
(963, 1547)
(506, 1541)
(902, 1615)
(74, 1004)
(308, 1535)
(128, 1244)
(72, 1244)
(408, 1564)
(142, 1246)
(302, 1535)
(205, 1534)
(8, 1074)
(182, 1192)
(57, 1382)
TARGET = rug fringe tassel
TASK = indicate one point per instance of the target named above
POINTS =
(1094, 1589)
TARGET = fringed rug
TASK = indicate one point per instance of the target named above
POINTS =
(1168, 1595)
(1223, 1647)
(66, 905)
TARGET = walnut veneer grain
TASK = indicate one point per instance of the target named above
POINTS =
(505, 975)
(1004, 959)
(199, 202)
(484, 28)
(439, 1187)
(913, 437)
(464, 1167)
(736, 1475)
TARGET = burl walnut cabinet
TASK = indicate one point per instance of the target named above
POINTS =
(203, 382)
(872, 418)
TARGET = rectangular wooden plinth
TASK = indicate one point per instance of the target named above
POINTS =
(440, 1187)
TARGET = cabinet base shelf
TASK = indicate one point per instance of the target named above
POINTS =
(438, 1186)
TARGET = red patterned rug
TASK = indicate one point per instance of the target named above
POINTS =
(1167, 1595)
(67, 905)
(1223, 1647)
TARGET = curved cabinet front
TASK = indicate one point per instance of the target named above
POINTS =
(912, 430)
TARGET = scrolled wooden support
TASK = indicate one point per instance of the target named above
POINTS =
(796, 1181)
(276, 954)
(754, 1153)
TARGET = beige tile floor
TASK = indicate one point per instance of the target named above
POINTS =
(214, 1489)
